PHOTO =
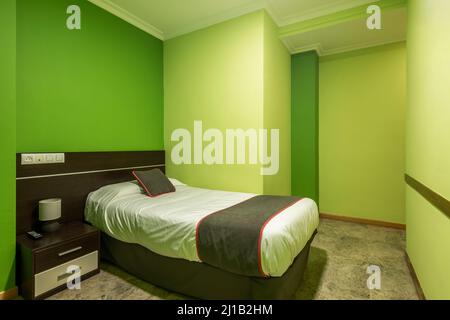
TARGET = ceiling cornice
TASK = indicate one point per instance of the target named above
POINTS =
(311, 47)
(359, 46)
(129, 17)
(339, 5)
(337, 17)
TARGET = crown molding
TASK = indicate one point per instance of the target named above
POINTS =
(322, 11)
(337, 17)
(129, 17)
(310, 47)
(360, 46)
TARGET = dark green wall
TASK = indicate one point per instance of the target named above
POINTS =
(7, 143)
(95, 89)
(305, 125)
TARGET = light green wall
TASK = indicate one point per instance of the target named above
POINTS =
(428, 245)
(217, 75)
(305, 125)
(277, 104)
(7, 143)
(95, 89)
(362, 104)
(428, 142)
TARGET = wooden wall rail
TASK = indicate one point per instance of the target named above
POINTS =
(434, 198)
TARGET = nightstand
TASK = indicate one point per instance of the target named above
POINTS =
(42, 265)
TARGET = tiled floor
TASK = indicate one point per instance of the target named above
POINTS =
(337, 269)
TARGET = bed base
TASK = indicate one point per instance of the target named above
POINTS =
(200, 280)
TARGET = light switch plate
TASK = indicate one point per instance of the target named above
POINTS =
(42, 158)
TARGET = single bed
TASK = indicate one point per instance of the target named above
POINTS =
(155, 239)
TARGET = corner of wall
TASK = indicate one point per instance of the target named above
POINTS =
(277, 101)
(8, 145)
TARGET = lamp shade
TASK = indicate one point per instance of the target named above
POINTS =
(49, 209)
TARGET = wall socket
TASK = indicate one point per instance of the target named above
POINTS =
(42, 158)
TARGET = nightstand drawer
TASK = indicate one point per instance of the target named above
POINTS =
(57, 276)
(56, 255)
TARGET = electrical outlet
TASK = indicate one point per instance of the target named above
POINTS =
(27, 159)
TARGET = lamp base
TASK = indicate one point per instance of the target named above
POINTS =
(50, 226)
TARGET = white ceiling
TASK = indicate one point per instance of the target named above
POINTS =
(166, 19)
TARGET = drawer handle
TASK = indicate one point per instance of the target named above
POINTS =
(65, 275)
(61, 254)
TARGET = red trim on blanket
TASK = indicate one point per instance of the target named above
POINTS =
(201, 220)
(261, 272)
(146, 190)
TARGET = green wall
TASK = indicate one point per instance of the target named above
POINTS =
(8, 143)
(305, 125)
(218, 75)
(95, 89)
(361, 133)
(277, 104)
(428, 143)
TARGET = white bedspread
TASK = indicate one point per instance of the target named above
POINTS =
(167, 224)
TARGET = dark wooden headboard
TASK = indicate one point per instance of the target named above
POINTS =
(72, 181)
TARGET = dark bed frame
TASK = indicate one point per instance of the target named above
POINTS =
(84, 172)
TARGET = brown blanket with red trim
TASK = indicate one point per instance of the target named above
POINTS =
(230, 239)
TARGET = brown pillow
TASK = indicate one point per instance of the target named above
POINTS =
(154, 182)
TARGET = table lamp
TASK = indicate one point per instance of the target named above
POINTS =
(49, 213)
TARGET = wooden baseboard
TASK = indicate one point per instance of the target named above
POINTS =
(363, 221)
(9, 294)
(415, 278)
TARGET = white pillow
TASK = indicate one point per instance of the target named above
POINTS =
(120, 189)
(176, 182)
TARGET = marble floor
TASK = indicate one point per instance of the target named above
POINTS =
(337, 269)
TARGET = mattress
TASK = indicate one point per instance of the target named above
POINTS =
(166, 224)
